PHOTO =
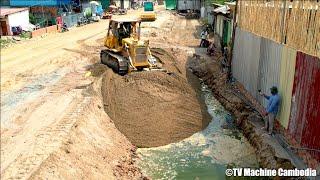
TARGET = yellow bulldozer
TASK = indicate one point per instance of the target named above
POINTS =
(149, 13)
(125, 51)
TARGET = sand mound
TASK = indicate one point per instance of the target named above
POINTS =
(153, 108)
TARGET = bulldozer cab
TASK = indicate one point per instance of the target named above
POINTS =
(119, 30)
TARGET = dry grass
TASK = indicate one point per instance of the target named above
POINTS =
(296, 23)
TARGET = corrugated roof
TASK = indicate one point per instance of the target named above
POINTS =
(7, 11)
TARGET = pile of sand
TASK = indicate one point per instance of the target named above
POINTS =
(154, 108)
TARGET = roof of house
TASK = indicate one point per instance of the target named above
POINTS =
(8, 11)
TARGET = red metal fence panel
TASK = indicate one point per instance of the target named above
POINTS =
(304, 123)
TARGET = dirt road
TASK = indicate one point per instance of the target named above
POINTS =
(53, 123)
(47, 120)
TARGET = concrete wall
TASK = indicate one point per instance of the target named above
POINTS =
(52, 29)
(38, 32)
(19, 19)
(42, 31)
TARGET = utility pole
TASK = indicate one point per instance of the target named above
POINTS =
(233, 39)
(284, 4)
(42, 13)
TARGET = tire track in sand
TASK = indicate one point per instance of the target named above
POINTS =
(47, 140)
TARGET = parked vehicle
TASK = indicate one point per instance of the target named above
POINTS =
(94, 18)
(82, 21)
(16, 30)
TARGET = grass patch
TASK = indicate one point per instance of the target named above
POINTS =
(6, 42)
(25, 35)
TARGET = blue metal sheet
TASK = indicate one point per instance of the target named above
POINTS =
(25, 3)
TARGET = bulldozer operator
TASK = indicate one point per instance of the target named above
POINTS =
(123, 32)
(125, 51)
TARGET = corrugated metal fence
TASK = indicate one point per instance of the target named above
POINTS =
(305, 110)
(259, 63)
(269, 67)
(188, 4)
(245, 63)
(287, 69)
(72, 19)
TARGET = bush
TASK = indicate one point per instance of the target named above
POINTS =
(6, 42)
(25, 35)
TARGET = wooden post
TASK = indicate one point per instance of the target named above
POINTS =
(282, 40)
(233, 39)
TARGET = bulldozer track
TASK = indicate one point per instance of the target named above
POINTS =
(47, 141)
(115, 62)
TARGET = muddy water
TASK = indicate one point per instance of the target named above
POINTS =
(204, 155)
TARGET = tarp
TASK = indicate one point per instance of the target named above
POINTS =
(25, 3)
(171, 4)
(105, 4)
(148, 6)
(223, 9)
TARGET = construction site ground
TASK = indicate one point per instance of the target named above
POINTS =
(53, 123)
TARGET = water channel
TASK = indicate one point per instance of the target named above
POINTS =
(204, 155)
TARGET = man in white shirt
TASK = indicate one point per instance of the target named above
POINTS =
(204, 35)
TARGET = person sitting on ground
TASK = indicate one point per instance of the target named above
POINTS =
(65, 27)
(272, 109)
(211, 49)
(204, 35)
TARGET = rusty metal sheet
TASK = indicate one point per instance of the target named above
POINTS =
(269, 67)
(245, 62)
(304, 123)
(287, 70)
